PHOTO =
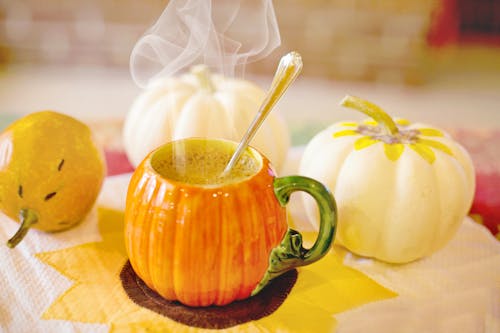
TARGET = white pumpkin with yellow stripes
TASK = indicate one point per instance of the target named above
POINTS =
(402, 189)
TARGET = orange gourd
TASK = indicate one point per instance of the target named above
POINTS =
(202, 256)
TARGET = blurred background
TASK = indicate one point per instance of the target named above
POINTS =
(436, 61)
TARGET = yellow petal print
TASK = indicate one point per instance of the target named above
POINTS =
(402, 122)
(364, 142)
(424, 151)
(437, 145)
(393, 151)
(96, 295)
(430, 132)
(322, 290)
(344, 133)
(348, 124)
(370, 122)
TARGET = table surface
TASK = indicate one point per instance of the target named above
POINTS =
(69, 281)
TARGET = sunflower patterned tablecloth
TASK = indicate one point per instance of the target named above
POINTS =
(69, 282)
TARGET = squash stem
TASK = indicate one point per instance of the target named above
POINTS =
(28, 218)
(202, 73)
(373, 111)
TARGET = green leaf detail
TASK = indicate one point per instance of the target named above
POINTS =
(344, 133)
(393, 151)
(424, 151)
(288, 254)
(364, 142)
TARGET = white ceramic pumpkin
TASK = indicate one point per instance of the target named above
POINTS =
(402, 189)
(199, 104)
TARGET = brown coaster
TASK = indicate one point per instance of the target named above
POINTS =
(211, 317)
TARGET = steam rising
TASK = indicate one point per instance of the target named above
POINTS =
(224, 35)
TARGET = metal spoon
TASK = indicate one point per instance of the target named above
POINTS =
(288, 69)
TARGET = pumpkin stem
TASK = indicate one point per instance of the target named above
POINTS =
(28, 218)
(202, 73)
(373, 111)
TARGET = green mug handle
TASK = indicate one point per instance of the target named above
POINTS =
(290, 253)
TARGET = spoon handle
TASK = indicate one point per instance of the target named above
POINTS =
(288, 69)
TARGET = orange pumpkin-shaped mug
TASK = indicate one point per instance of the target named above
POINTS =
(201, 238)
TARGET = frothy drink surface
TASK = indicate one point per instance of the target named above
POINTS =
(202, 162)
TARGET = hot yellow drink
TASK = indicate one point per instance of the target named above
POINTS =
(202, 162)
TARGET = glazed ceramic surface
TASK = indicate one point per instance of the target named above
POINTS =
(215, 243)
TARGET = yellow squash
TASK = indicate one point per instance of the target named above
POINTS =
(51, 172)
